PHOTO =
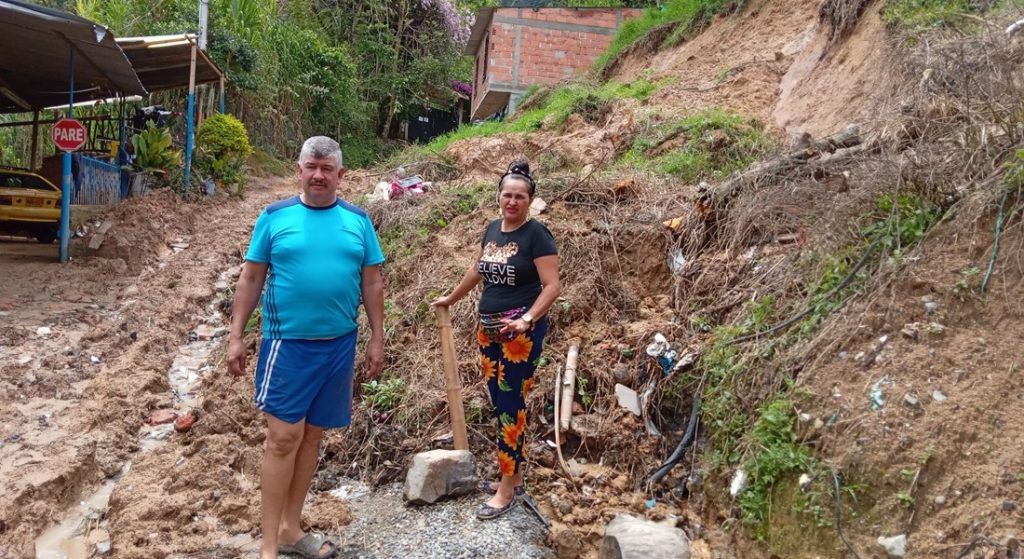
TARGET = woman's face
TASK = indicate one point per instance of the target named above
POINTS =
(514, 200)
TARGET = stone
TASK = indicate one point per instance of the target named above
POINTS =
(940, 500)
(931, 306)
(107, 224)
(43, 331)
(440, 473)
(628, 399)
(939, 396)
(96, 241)
(207, 332)
(895, 546)
(184, 423)
(910, 399)
(585, 426)
(161, 417)
(628, 537)
(1009, 506)
(538, 206)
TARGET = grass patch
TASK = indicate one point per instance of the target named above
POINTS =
(263, 164)
(712, 143)
(897, 224)
(554, 107)
(922, 15)
(775, 454)
(688, 15)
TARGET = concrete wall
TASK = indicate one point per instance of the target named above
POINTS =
(524, 47)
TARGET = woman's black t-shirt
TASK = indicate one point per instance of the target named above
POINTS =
(509, 274)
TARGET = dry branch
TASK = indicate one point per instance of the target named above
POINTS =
(721, 194)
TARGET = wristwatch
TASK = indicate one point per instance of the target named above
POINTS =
(527, 318)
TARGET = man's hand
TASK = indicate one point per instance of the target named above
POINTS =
(236, 356)
(374, 357)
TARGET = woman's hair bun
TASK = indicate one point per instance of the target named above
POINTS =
(520, 167)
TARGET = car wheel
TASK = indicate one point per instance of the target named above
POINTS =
(46, 237)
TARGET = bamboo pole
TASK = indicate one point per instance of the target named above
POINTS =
(451, 374)
(569, 385)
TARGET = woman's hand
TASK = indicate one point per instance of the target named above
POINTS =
(517, 326)
(442, 302)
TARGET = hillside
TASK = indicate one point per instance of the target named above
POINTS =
(817, 203)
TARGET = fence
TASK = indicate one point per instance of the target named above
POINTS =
(99, 183)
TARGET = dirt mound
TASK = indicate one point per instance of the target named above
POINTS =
(774, 61)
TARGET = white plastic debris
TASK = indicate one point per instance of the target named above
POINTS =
(896, 546)
(658, 346)
(739, 483)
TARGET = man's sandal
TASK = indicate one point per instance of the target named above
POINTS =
(491, 487)
(487, 512)
(311, 546)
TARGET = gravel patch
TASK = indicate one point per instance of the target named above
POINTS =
(384, 527)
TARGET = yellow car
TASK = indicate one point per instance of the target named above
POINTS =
(29, 204)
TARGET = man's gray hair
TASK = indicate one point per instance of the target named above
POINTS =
(321, 147)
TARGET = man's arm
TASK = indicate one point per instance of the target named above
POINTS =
(247, 295)
(373, 300)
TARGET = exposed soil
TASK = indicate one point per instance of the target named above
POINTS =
(86, 348)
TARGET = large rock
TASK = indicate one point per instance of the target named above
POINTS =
(437, 474)
(627, 537)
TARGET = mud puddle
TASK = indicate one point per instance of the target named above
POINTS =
(83, 532)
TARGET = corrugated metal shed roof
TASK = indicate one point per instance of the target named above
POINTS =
(162, 61)
(35, 52)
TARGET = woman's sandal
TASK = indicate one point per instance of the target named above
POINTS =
(487, 512)
(491, 487)
(309, 547)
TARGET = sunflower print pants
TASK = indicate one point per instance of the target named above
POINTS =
(508, 369)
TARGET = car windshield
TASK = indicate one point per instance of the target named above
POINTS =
(17, 180)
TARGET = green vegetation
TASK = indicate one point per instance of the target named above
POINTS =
(255, 321)
(222, 146)
(590, 101)
(713, 143)
(384, 395)
(897, 224)
(154, 152)
(775, 454)
(919, 15)
(687, 15)
(348, 69)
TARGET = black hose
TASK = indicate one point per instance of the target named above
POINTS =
(677, 454)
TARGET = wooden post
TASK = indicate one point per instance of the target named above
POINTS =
(451, 375)
(569, 385)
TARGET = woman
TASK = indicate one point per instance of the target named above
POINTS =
(518, 264)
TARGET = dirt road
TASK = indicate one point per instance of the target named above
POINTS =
(85, 348)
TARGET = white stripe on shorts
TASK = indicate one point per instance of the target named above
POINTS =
(261, 397)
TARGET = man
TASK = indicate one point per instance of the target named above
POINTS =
(317, 254)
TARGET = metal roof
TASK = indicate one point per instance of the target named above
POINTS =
(162, 61)
(35, 56)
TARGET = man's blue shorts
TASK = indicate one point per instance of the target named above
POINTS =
(307, 379)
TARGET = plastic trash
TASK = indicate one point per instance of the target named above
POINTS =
(877, 398)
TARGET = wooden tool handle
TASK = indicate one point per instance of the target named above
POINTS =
(451, 374)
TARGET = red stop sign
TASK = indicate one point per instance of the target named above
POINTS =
(68, 134)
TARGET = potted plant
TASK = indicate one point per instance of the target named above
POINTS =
(154, 156)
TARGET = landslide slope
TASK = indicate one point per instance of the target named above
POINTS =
(851, 319)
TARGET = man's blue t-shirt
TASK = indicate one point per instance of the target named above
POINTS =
(316, 258)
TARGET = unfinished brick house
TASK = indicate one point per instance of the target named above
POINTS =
(519, 47)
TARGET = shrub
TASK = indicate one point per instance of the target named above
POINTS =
(222, 146)
(154, 151)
